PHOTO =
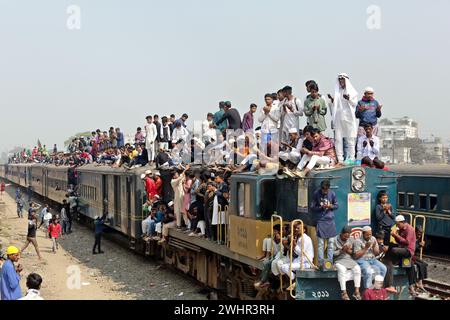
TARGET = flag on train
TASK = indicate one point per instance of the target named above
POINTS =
(39, 145)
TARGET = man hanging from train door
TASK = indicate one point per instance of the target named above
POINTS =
(323, 205)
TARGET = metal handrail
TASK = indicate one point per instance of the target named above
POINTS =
(272, 224)
(424, 222)
(227, 223)
(218, 226)
(220, 222)
(293, 222)
(411, 218)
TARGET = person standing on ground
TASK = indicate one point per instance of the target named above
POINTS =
(10, 281)
(99, 225)
(54, 230)
(19, 202)
(31, 235)
(34, 282)
(64, 217)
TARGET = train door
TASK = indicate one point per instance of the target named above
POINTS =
(117, 204)
(44, 183)
(105, 193)
(128, 196)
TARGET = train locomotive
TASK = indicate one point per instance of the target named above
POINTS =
(256, 203)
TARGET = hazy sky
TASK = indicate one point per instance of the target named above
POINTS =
(133, 58)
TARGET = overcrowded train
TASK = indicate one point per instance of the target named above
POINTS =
(257, 202)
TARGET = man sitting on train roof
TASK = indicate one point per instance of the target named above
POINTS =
(290, 155)
(368, 148)
(347, 267)
(322, 153)
(402, 247)
(366, 249)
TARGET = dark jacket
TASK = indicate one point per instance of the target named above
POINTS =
(233, 117)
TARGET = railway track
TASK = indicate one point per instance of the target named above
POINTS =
(437, 290)
(443, 259)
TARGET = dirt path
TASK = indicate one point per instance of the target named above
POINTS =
(117, 274)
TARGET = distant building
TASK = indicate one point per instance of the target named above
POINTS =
(436, 151)
(391, 134)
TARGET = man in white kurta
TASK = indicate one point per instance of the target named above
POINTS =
(291, 109)
(150, 136)
(304, 260)
(343, 107)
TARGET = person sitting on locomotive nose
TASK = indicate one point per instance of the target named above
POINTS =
(366, 249)
(323, 205)
(422, 266)
(377, 292)
(405, 237)
(383, 248)
(322, 153)
(347, 267)
(368, 148)
(384, 215)
(303, 249)
(269, 244)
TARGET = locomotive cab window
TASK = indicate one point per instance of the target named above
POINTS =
(244, 200)
(410, 200)
(401, 199)
(423, 201)
(433, 202)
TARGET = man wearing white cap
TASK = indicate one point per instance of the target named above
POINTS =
(368, 110)
(293, 148)
(377, 292)
(343, 107)
(405, 237)
(366, 249)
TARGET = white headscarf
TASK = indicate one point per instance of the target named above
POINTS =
(344, 107)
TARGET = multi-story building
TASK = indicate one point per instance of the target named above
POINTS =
(392, 134)
(436, 151)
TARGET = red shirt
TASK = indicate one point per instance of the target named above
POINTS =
(406, 238)
(373, 294)
(150, 187)
(159, 184)
(54, 230)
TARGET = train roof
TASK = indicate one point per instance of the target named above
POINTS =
(432, 170)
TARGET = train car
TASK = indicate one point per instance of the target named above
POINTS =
(38, 178)
(117, 191)
(424, 190)
(55, 182)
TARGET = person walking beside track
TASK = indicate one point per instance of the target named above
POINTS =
(31, 235)
(55, 230)
(99, 224)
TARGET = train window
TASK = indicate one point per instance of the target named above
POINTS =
(423, 201)
(410, 200)
(401, 199)
(244, 199)
(433, 202)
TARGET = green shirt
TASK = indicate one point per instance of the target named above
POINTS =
(316, 118)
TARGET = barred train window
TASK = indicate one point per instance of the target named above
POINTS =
(401, 199)
(433, 202)
(410, 200)
(423, 201)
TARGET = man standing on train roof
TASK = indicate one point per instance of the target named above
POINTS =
(10, 276)
(98, 230)
(218, 115)
(232, 115)
(405, 237)
(343, 107)
(324, 203)
(247, 120)
(291, 109)
(150, 137)
(183, 119)
(368, 111)
(120, 138)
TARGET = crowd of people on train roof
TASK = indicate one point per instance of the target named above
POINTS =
(199, 195)
(271, 137)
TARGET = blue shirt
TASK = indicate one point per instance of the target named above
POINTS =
(99, 225)
(326, 227)
(120, 140)
(10, 282)
(370, 112)
(217, 116)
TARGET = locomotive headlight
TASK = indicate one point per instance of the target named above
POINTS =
(358, 174)
(358, 186)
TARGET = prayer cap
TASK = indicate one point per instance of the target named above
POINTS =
(148, 172)
(368, 89)
(379, 278)
(399, 218)
(366, 229)
(293, 130)
(142, 176)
